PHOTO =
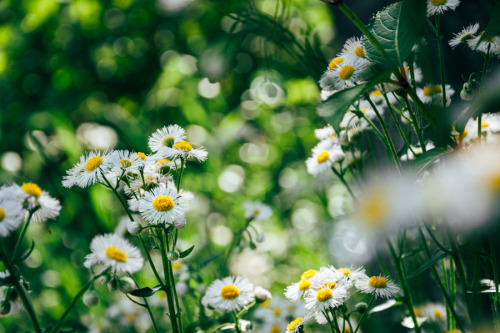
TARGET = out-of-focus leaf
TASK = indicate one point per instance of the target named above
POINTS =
(493, 27)
(145, 292)
(422, 162)
(434, 259)
(185, 253)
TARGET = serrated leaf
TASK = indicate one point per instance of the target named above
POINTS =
(185, 253)
(434, 259)
(397, 28)
(145, 292)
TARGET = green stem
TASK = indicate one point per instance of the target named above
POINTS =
(335, 322)
(236, 324)
(483, 73)
(21, 291)
(21, 236)
(418, 129)
(404, 285)
(344, 182)
(441, 58)
(122, 202)
(150, 260)
(495, 278)
(146, 305)
(453, 290)
(395, 119)
(75, 299)
(363, 316)
(329, 321)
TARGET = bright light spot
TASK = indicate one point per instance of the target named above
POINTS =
(207, 89)
(221, 235)
(12, 162)
(95, 136)
(231, 179)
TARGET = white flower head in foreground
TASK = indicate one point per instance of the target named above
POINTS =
(354, 49)
(34, 196)
(295, 325)
(325, 297)
(11, 211)
(435, 312)
(257, 210)
(166, 137)
(230, 293)
(297, 290)
(184, 150)
(378, 286)
(433, 94)
(327, 133)
(324, 155)
(88, 170)
(124, 160)
(435, 7)
(351, 273)
(489, 45)
(465, 35)
(163, 204)
(113, 251)
(344, 74)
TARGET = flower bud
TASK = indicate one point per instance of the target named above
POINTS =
(126, 284)
(104, 279)
(361, 307)
(90, 298)
(262, 295)
(133, 228)
(260, 238)
(180, 222)
(4, 308)
(467, 94)
(113, 285)
(173, 255)
(181, 288)
(12, 294)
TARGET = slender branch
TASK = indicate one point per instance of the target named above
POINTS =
(23, 232)
(363, 316)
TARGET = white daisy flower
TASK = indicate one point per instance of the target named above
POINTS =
(435, 312)
(490, 44)
(417, 151)
(296, 290)
(353, 124)
(330, 296)
(433, 94)
(166, 137)
(327, 133)
(465, 35)
(352, 273)
(257, 210)
(378, 286)
(184, 150)
(295, 325)
(161, 165)
(88, 170)
(11, 212)
(346, 74)
(113, 251)
(273, 310)
(354, 50)
(230, 293)
(417, 72)
(163, 204)
(377, 97)
(324, 155)
(435, 7)
(48, 207)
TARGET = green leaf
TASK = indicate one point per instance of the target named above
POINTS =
(185, 253)
(422, 162)
(493, 27)
(145, 292)
(434, 259)
(397, 28)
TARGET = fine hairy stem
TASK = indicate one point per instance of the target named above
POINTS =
(483, 73)
(341, 177)
(21, 291)
(439, 37)
(146, 305)
(418, 129)
(236, 323)
(75, 299)
(363, 316)
(23, 232)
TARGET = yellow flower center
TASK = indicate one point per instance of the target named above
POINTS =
(344, 271)
(346, 72)
(439, 2)
(116, 253)
(308, 274)
(256, 212)
(2, 213)
(494, 182)
(163, 161)
(93, 163)
(376, 93)
(294, 323)
(142, 156)
(277, 312)
(418, 312)
(363, 111)
(377, 282)
(483, 124)
(431, 90)
(373, 209)
(335, 63)
(304, 285)
(266, 303)
(438, 314)
(130, 317)
(330, 285)
(324, 294)
(323, 157)
(163, 203)
(183, 145)
(32, 189)
(359, 52)
(275, 329)
(176, 265)
(229, 292)
(347, 330)
(125, 163)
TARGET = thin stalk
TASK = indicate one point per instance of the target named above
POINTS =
(329, 321)
(21, 236)
(150, 260)
(418, 129)
(236, 323)
(453, 290)
(174, 290)
(395, 119)
(363, 316)
(335, 322)
(404, 285)
(122, 202)
(483, 73)
(439, 37)
(75, 299)
(146, 305)
(495, 277)
(344, 182)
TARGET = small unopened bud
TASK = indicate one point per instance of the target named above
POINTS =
(12, 294)
(262, 295)
(133, 228)
(260, 238)
(104, 279)
(180, 222)
(361, 307)
(126, 284)
(4, 307)
(173, 255)
(113, 285)
(90, 298)
(252, 245)
(467, 94)
(181, 288)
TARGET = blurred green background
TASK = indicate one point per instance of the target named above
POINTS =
(239, 76)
